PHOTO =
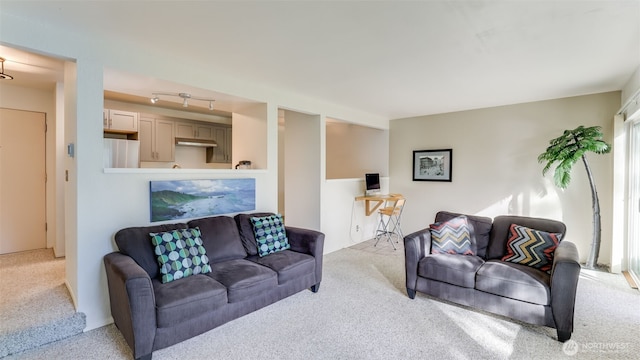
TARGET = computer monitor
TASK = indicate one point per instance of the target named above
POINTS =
(372, 182)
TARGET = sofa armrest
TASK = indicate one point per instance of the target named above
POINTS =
(564, 283)
(308, 242)
(132, 302)
(416, 246)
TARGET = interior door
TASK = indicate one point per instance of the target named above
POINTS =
(22, 181)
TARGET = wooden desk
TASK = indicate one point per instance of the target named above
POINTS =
(374, 200)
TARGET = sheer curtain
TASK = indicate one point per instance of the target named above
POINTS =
(633, 232)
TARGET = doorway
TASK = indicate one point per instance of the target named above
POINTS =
(22, 180)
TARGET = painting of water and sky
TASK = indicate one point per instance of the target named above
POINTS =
(186, 199)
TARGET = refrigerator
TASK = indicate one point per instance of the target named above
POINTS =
(121, 153)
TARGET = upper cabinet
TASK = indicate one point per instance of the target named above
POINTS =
(119, 121)
(205, 132)
(199, 130)
(158, 135)
(195, 130)
(156, 140)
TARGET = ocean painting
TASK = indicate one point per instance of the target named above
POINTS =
(186, 199)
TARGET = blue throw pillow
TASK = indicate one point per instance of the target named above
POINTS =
(180, 254)
(270, 234)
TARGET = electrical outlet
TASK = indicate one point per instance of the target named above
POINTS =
(357, 228)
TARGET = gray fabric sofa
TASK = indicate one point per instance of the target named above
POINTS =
(485, 282)
(153, 315)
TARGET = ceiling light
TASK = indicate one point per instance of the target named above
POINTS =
(4, 76)
(184, 96)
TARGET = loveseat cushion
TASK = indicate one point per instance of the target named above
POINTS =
(243, 279)
(245, 228)
(457, 270)
(220, 237)
(515, 281)
(134, 242)
(288, 264)
(451, 237)
(187, 298)
(479, 230)
(531, 247)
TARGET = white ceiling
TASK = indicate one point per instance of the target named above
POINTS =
(391, 58)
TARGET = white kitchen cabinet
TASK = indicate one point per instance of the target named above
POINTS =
(119, 121)
(157, 140)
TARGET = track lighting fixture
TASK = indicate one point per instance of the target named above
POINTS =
(4, 76)
(184, 96)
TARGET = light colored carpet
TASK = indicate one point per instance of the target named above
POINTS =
(363, 312)
(35, 305)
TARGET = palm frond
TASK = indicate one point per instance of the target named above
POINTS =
(567, 149)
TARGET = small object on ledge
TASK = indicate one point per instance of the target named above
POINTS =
(244, 164)
(177, 166)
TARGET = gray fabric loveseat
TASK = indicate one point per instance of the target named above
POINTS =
(503, 268)
(153, 314)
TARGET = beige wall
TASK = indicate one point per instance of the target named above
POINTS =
(495, 169)
(354, 150)
(302, 163)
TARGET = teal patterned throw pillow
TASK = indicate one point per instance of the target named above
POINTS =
(270, 234)
(180, 254)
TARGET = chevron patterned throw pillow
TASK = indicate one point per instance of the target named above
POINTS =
(531, 247)
(451, 237)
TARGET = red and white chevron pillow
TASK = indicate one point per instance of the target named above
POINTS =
(451, 237)
(531, 247)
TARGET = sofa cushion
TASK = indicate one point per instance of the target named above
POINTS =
(515, 281)
(220, 237)
(479, 229)
(134, 242)
(451, 237)
(531, 247)
(270, 234)
(243, 278)
(245, 227)
(288, 264)
(186, 299)
(458, 270)
(180, 254)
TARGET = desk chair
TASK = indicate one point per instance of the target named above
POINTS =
(390, 217)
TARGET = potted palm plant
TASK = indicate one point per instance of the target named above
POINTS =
(568, 149)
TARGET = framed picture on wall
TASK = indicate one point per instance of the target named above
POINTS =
(432, 165)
